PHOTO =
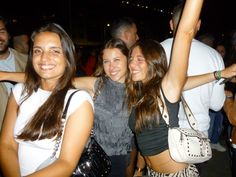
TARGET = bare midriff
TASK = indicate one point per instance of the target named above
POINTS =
(163, 163)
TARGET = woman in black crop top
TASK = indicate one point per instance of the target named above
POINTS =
(148, 76)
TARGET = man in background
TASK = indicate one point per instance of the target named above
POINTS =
(125, 29)
(202, 59)
(10, 61)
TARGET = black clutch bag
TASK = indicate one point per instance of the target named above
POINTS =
(94, 162)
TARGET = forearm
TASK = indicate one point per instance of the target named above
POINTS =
(12, 76)
(84, 83)
(9, 162)
(58, 168)
(195, 81)
(230, 110)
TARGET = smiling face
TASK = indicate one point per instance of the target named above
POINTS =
(115, 64)
(137, 65)
(4, 39)
(48, 59)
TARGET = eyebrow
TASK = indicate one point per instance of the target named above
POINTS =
(53, 47)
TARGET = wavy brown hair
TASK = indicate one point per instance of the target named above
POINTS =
(143, 97)
(46, 123)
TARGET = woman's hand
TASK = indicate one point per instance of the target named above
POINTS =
(229, 72)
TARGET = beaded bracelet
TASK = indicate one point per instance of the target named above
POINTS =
(229, 96)
(217, 75)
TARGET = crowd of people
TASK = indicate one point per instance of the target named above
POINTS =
(117, 97)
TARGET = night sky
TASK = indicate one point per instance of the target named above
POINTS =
(77, 16)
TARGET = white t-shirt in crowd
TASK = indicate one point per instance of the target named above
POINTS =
(32, 153)
(202, 59)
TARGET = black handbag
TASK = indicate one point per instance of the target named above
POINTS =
(94, 162)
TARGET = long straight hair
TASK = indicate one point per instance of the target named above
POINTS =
(143, 97)
(46, 123)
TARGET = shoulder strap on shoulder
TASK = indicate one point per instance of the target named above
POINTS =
(162, 106)
(67, 105)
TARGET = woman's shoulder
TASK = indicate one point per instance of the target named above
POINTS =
(17, 91)
(78, 92)
(19, 86)
(79, 97)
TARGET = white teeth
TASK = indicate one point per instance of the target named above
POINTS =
(113, 73)
(134, 72)
(48, 67)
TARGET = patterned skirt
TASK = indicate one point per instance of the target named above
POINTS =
(190, 171)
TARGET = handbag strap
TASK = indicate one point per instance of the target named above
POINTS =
(191, 119)
(99, 86)
(163, 109)
(58, 141)
(67, 105)
(96, 93)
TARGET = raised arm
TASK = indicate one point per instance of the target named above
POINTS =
(175, 78)
(12, 76)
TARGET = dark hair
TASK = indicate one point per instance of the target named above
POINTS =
(6, 23)
(111, 44)
(176, 13)
(46, 123)
(144, 96)
(120, 24)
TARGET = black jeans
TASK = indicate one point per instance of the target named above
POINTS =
(233, 160)
(118, 165)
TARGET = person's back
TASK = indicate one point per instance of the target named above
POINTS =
(11, 61)
(202, 59)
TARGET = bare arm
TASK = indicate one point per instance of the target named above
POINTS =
(176, 76)
(77, 132)
(195, 81)
(85, 83)
(140, 166)
(230, 108)
(12, 76)
(8, 146)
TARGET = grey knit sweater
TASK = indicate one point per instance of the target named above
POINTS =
(111, 118)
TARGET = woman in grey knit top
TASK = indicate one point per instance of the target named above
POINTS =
(111, 114)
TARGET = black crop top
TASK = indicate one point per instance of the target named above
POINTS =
(154, 140)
